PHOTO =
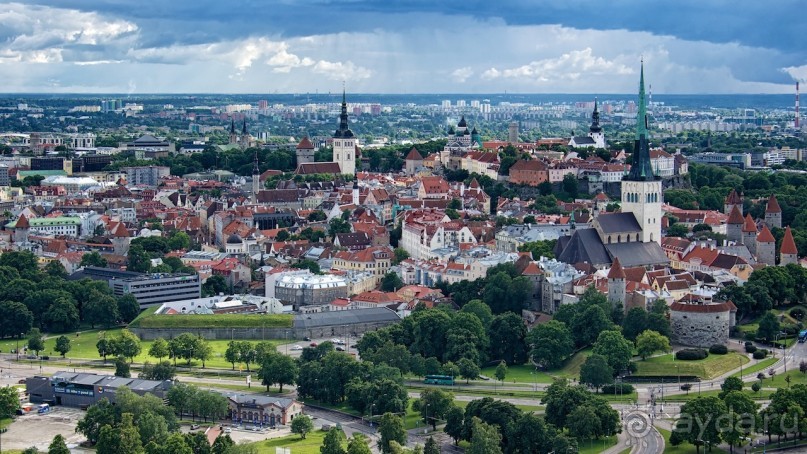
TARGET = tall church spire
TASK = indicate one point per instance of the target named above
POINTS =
(344, 130)
(595, 119)
(641, 170)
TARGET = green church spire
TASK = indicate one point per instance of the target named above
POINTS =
(641, 170)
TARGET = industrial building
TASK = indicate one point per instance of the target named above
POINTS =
(82, 390)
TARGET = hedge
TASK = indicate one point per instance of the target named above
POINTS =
(691, 354)
(760, 354)
(750, 348)
(718, 349)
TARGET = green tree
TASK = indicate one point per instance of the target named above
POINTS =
(551, 343)
(139, 259)
(233, 353)
(36, 341)
(58, 445)
(503, 293)
(122, 367)
(98, 414)
(215, 285)
(399, 255)
(126, 345)
(596, 372)
(730, 384)
(222, 444)
(160, 371)
(128, 307)
(431, 446)
(454, 423)
(9, 402)
(179, 241)
(507, 335)
(62, 345)
(129, 437)
(742, 417)
(486, 439)
(185, 346)
(615, 348)
(180, 396)
(358, 445)
(769, 326)
(570, 184)
(391, 429)
(649, 342)
(55, 269)
(481, 310)
(635, 322)
(584, 423)
(62, 316)
(152, 427)
(159, 349)
(433, 405)
(332, 443)
(302, 425)
(277, 368)
(93, 259)
(587, 325)
(101, 310)
(679, 230)
(699, 422)
(501, 371)
(338, 225)
(391, 282)
(17, 319)
(468, 369)
(541, 248)
(108, 440)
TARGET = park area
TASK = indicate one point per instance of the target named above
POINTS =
(83, 347)
(711, 367)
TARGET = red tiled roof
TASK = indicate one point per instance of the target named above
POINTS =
(749, 225)
(733, 198)
(773, 205)
(765, 236)
(788, 244)
(305, 144)
(616, 271)
(413, 155)
(735, 217)
(703, 308)
(22, 222)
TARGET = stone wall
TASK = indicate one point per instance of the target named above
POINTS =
(700, 329)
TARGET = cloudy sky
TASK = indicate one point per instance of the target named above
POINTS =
(400, 46)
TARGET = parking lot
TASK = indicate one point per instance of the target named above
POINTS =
(38, 430)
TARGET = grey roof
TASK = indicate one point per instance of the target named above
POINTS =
(584, 246)
(638, 254)
(349, 317)
(261, 400)
(107, 381)
(583, 140)
(618, 223)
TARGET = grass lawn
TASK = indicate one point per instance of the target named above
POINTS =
(711, 367)
(572, 367)
(759, 366)
(309, 445)
(522, 373)
(148, 320)
(83, 347)
(778, 380)
(596, 446)
(5, 422)
(693, 394)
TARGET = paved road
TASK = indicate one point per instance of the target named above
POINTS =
(644, 438)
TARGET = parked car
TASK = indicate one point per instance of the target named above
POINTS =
(312, 344)
(307, 339)
(194, 426)
(296, 347)
(340, 349)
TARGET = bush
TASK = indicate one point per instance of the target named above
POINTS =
(751, 336)
(760, 354)
(747, 343)
(750, 348)
(797, 313)
(622, 388)
(718, 349)
(691, 354)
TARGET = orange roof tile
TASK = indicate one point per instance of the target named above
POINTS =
(765, 236)
(616, 271)
(773, 205)
(735, 217)
(788, 244)
(749, 225)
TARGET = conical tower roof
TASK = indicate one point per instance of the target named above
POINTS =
(616, 271)
(773, 205)
(765, 236)
(749, 225)
(733, 198)
(641, 170)
(788, 243)
(735, 217)
(22, 222)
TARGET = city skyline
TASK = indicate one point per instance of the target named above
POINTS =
(291, 46)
